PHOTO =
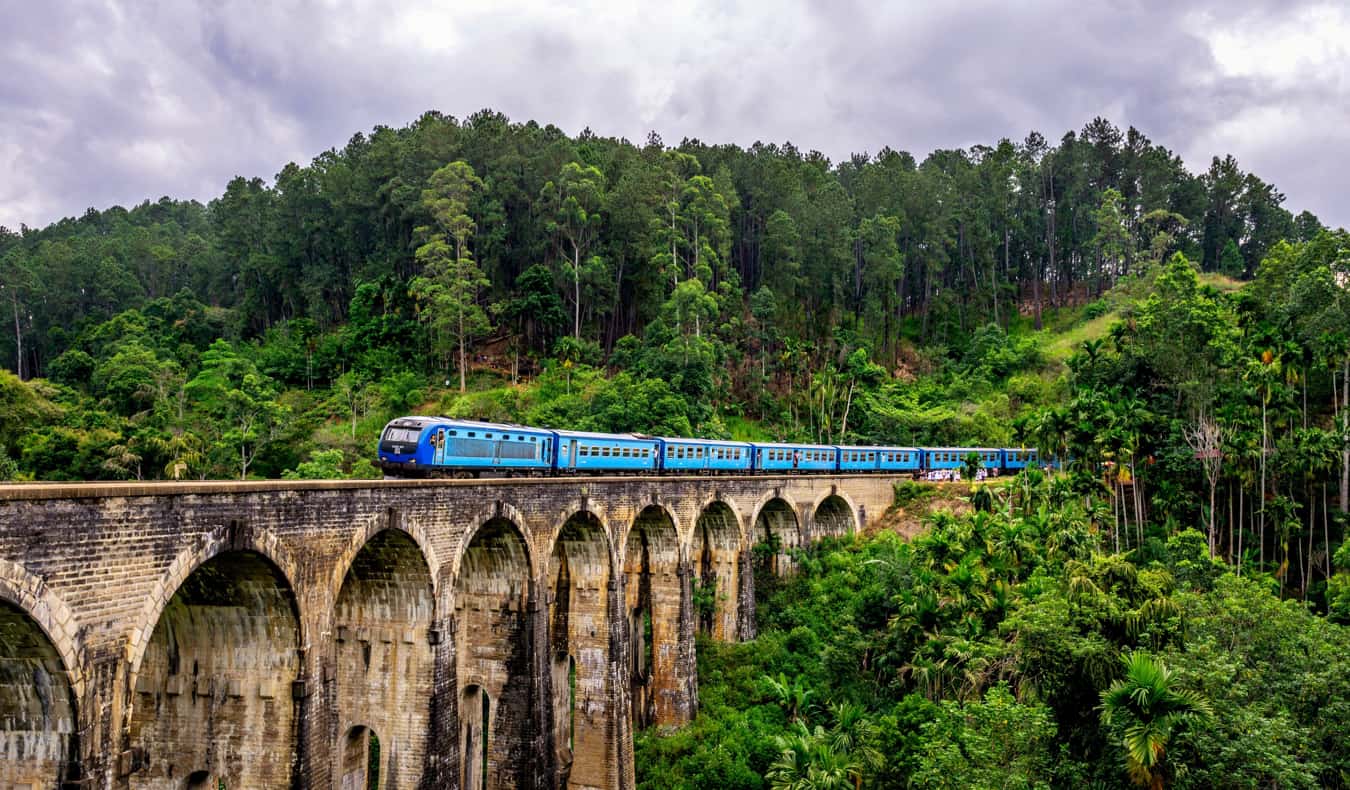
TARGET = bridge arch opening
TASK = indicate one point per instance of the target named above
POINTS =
(716, 554)
(579, 579)
(653, 592)
(385, 660)
(475, 713)
(361, 758)
(38, 723)
(776, 535)
(199, 780)
(214, 694)
(493, 657)
(834, 518)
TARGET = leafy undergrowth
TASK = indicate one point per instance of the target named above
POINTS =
(1003, 648)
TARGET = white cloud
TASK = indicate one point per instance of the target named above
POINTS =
(132, 100)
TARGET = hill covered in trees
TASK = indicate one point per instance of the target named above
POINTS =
(728, 283)
(1181, 340)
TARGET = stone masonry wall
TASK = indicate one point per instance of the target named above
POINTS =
(258, 633)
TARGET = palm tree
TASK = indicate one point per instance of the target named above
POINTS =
(1147, 704)
(793, 695)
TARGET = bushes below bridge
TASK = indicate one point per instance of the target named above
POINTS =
(981, 654)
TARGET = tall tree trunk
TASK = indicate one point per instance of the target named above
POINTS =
(1242, 502)
(1345, 453)
(1036, 294)
(576, 292)
(18, 334)
(1261, 499)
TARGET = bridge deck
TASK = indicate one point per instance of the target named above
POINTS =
(88, 490)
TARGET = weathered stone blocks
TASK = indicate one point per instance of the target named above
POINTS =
(308, 634)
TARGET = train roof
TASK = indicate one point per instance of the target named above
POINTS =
(626, 437)
(718, 442)
(968, 449)
(885, 448)
(790, 446)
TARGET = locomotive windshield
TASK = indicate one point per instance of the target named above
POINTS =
(403, 435)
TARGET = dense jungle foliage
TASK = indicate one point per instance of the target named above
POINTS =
(1165, 611)
(1010, 647)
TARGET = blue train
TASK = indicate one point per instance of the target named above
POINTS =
(443, 447)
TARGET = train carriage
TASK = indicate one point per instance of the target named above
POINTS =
(952, 458)
(688, 455)
(580, 451)
(795, 457)
(858, 459)
(1017, 459)
(900, 459)
(431, 445)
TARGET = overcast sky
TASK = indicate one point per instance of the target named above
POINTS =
(105, 103)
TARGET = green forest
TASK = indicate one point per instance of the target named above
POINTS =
(1167, 610)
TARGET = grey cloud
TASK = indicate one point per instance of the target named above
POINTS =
(120, 102)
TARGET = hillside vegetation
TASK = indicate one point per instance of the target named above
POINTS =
(1165, 610)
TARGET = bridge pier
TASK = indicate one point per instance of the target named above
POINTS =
(433, 634)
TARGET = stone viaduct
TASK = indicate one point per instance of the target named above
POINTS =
(325, 634)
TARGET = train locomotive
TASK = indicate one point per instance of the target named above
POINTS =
(444, 447)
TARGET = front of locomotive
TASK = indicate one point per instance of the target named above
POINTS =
(403, 449)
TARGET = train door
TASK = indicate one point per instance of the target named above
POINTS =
(497, 452)
(438, 443)
(572, 456)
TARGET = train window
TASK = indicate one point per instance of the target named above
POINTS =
(487, 436)
(472, 434)
(454, 433)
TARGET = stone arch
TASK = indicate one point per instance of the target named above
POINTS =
(32, 596)
(579, 584)
(231, 536)
(39, 716)
(776, 523)
(654, 595)
(717, 551)
(493, 651)
(216, 690)
(497, 511)
(361, 753)
(384, 660)
(833, 515)
(394, 519)
(475, 712)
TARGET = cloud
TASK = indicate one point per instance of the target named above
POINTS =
(117, 102)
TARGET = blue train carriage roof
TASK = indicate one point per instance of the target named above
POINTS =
(877, 448)
(704, 442)
(961, 449)
(627, 437)
(791, 446)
